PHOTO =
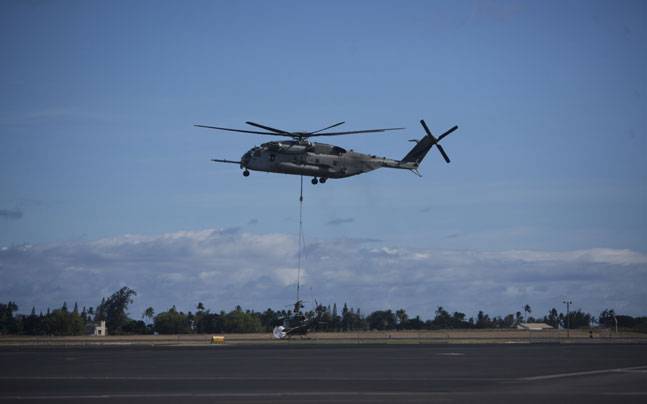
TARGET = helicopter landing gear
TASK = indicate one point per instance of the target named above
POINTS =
(245, 173)
(314, 181)
(323, 180)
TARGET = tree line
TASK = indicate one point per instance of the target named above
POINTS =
(114, 311)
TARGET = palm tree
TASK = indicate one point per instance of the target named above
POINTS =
(402, 317)
(148, 313)
(517, 318)
(528, 310)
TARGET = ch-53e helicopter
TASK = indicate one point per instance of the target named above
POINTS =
(298, 323)
(299, 156)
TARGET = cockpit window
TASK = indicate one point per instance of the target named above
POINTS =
(338, 150)
(257, 153)
(273, 146)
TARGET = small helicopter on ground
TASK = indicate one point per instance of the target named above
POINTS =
(298, 323)
(299, 156)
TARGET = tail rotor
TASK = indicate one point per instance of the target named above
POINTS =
(436, 140)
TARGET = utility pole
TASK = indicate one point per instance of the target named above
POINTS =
(568, 317)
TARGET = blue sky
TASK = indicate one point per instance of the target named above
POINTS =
(96, 136)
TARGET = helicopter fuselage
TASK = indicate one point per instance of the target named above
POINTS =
(312, 159)
(322, 161)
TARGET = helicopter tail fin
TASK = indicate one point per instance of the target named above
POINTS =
(419, 151)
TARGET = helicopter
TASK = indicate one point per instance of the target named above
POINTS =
(322, 161)
(298, 323)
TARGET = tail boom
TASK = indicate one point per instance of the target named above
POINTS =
(419, 151)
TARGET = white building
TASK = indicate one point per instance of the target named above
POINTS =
(101, 330)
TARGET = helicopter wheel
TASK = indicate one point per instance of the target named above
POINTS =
(246, 173)
(323, 180)
(314, 181)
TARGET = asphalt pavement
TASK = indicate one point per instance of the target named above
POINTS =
(580, 373)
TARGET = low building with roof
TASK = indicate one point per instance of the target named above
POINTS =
(534, 326)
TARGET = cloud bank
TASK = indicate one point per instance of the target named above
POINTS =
(223, 268)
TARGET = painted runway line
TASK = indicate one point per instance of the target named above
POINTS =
(584, 373)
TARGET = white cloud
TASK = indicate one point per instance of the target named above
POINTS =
(595, 255)
(174, 277)
(223, 268)
(288, 276)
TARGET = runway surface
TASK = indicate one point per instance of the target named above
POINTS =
(335, 373)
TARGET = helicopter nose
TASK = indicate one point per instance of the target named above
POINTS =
(244, 161)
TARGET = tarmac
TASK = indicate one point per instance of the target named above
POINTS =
(460, 336)
(484, 373)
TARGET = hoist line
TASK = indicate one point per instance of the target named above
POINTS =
(301, 239)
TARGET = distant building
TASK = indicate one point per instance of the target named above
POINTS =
(101, 330)
(534, 326)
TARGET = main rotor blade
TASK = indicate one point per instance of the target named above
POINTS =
(225, 161)
(442, 151)
(258, 125)
(424, 125)
(329, 127)
(447, 133)
(241, 130)
(353, 132)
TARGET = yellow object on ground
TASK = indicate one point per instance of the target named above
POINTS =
(217, 339)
